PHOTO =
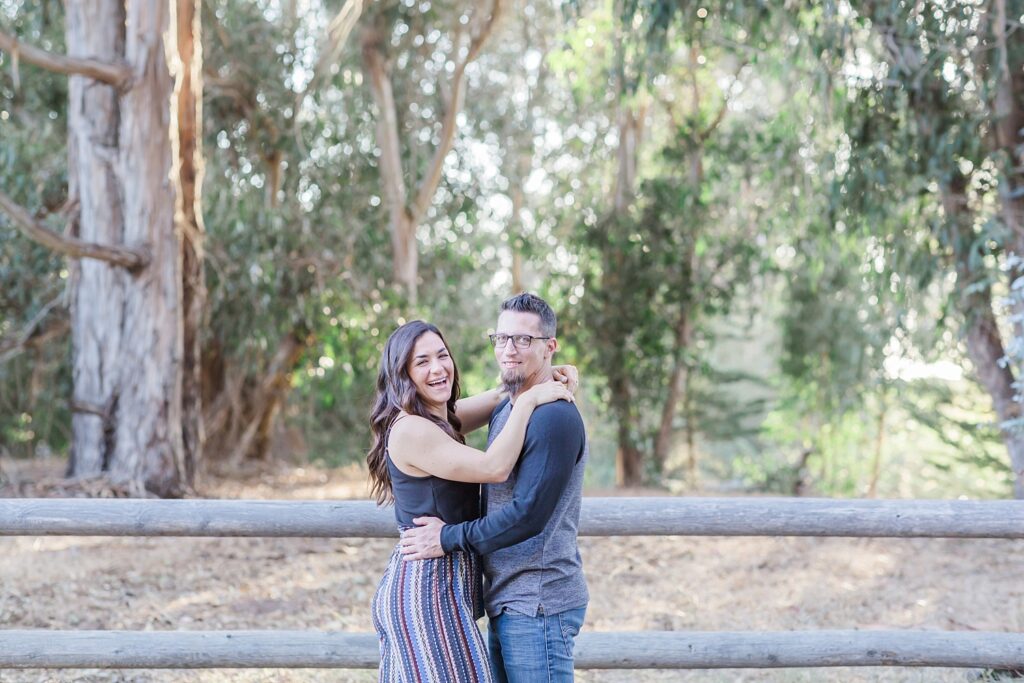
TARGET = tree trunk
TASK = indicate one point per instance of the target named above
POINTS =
(692, 470)
(876, 460)
(241, 409)
(677, 384)
(1007, 138)
(192, 230)
(629, 459)
(127, 327)
(680, 378)
(404, 216)
(405, 252)
(984, 342)
(985, 349)
(517, 232)
(629, 148)
(274, 161)
(629, 470)
(401, 222)
(517, 270)
(1008, 117)
(267, 400)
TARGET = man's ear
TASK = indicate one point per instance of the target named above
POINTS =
(552, 345)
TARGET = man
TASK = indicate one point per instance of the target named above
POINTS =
(535, 596)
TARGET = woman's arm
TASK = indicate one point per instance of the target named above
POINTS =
(419, 447)
(475, 411)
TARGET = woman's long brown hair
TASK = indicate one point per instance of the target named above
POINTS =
(395, 393)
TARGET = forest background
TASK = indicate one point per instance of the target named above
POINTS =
(784, 238)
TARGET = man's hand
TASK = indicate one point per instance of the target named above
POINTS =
(423, 542)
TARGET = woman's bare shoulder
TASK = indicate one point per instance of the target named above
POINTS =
(408, 427)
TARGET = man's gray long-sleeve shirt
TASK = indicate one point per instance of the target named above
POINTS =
(528, 536)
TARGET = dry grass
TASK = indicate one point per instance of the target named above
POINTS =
(636, 584)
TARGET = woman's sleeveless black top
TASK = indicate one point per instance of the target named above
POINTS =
(452, 501)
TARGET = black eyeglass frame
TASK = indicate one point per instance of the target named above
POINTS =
(515, 340)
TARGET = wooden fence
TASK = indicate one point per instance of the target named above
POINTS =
(600, 517)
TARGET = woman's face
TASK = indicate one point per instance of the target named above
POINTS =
(431, 370)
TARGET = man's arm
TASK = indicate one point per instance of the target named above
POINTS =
(554, 444)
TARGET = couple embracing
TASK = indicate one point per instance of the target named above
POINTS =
(520, 532)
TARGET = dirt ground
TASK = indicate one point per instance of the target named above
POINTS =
(635, 583)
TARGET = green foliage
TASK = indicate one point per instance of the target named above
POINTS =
(33, 104)
(786, 209)
(918, 120)
(684, 252)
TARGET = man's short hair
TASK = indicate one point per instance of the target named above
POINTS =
(531, 303)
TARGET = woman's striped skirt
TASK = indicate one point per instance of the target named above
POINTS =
(425, 614)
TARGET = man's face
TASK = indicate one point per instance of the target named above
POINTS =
(521, 368)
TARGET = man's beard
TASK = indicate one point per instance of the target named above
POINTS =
(513, 381)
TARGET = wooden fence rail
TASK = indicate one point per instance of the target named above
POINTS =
(630, 650)
(600, 517)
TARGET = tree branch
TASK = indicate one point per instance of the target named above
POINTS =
(387, 121)
(23, 221)
(725, 105)
(334, 40)
(331, 47)
(32, 335)
(117, 75)
(426, 190)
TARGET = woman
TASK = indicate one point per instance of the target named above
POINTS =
(425, 611)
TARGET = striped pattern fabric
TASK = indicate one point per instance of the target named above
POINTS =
(424, 613)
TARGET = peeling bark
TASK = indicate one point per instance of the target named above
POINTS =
(190, 226)
(127, 328)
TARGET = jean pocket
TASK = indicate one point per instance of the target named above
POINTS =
(570, 624)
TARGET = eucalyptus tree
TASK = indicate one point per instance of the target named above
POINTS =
(673, 236)
(287, 210)
(131, 221)
(513, 112)
(301, 268)
(938, 102)
(429, 42)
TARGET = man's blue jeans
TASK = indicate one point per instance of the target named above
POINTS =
(533, 649)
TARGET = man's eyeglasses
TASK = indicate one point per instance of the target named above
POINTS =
(520, 341)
